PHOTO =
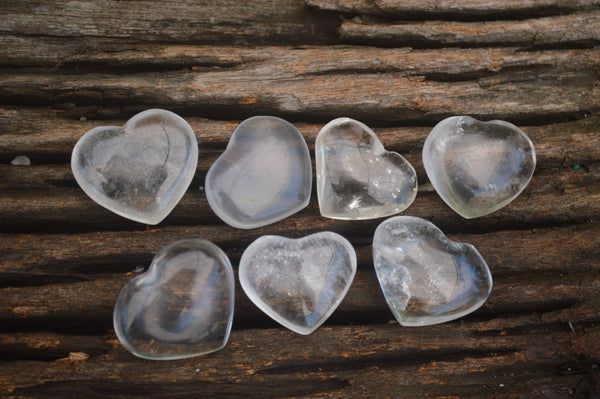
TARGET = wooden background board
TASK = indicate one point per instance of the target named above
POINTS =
(399, 66)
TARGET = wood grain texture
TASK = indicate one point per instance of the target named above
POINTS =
(351, 360)
(399, 66)
(455, 8)
(562, 31)
(185, 21)
(389, 98)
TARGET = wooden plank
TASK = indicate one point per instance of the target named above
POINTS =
(571, 30)
(375, 360)
(222, 22)
(390, 99)
(484, 9)
(305, 60)
(70, 66)
(401, 87)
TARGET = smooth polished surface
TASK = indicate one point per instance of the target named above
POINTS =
(264, 175)
(141, 170)
(298, 282)
(426, 278)
(356, 177)
(478, 167)
(181, 307)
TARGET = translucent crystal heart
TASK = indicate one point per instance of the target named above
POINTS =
(298, 282)
(478, 167)
(264, 175)
(181, 307)
(141, 170)
(356, 177)
(426, 278)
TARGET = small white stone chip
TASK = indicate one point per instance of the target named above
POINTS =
(21, 160)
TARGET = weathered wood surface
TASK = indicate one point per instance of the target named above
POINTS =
(455, 8)
(399, 87)
(400, 66)
(563, 30)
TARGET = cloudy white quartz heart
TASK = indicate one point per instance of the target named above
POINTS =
(141, 170)
(181, 307)
(478, 167)
(426, 278)
(264, 175)
(298, 282)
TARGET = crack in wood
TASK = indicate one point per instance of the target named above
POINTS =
(385, 360)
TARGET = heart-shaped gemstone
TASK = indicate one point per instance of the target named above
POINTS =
(478, 167)
(181, 307)
(141, 170)
(264, 175)
(426, 278)
(298, 282)
(356, 177)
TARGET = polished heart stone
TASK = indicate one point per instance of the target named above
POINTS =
(426, 278)
(298, 282)
(478, 167)
(356, 177)
(264, 175)
(181, 307)
(141, 170)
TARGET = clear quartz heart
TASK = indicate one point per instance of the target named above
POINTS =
(141, 170)
(298, 282)
(478, 167)
(356, 177)
(264, 175)
(181, 307)
(426, 278)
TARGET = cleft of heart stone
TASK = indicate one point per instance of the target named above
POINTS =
(141, 170)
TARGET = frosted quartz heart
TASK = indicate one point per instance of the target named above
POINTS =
(181, 307)
(141, 170)
(356, 177)
(298, 282)
(426, 278)
(478, 167)
(264, 175)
